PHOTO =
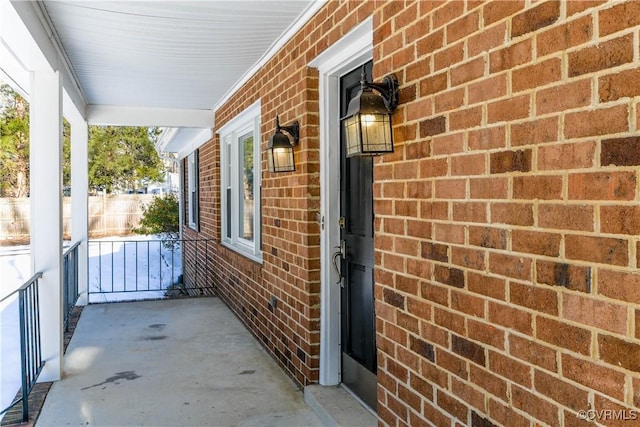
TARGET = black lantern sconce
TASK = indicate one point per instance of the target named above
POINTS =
(280, 149)
(367, 124)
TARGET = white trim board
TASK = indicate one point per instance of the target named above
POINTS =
(352, 50)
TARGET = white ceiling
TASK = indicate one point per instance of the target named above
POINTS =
(166, 54)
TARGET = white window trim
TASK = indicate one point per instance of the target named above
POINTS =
(191, 187)
(246, 121)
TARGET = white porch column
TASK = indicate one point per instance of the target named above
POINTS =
(80, 201)
(46, 212)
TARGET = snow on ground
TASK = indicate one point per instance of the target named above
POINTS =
(120, 269)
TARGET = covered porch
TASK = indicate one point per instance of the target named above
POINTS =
(161, 363)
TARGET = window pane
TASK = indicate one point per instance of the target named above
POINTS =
(246, 192)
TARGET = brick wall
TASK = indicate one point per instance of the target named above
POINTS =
(507, 289)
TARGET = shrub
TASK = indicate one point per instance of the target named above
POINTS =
(161, 216)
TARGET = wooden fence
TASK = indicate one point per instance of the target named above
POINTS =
(108, 216)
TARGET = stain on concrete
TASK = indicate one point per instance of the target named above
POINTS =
(155, 338)
(158, 326)
(247, 372)
(126, 375)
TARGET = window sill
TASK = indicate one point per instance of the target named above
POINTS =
(244, 251)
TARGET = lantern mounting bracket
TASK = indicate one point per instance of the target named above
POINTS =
(388, 89)
(293, 129)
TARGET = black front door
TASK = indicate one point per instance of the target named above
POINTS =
(357, 297)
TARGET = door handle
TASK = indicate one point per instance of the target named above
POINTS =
(338, 257)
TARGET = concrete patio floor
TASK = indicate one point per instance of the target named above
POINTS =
(182, 362)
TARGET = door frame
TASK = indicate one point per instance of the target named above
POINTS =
(352, 50)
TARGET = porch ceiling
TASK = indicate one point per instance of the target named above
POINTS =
(160, 63)
(166, 54)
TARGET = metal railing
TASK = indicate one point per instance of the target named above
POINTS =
(70, 282)
(30, 345)
(118, 268)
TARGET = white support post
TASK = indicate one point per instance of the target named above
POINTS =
(46, 212)
(80, 202)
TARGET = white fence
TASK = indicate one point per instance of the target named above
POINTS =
(108, 216)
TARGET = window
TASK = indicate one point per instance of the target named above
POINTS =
(240, 183)
(193, 196)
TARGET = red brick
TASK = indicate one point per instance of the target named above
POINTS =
(486, 40)
(454, 364)
(578, 6)
(605, 55)
(540, 16)
(451, 233)
(430, 43)
(447, 12)
(452, 406)
(511, 56)
(624, 286)
(482, 284)
(603, 250)
(486, 333)
(468, 394)
(468, 349)
(539, 408)
(599, 314)
(488, 381)
(510, 266)
(496, 11)
(472, 305)
(433, 84)
(509, 368)
(620, 152)
(430, 168)
(569, 217)
(468, 257)
(487, 89)
(512, 213)
(462, 27)
(602, 186)
(488, 188)
(597, 377)
(471, 164)
(510, 161)
(465, 118)
(563, 335)
(469, 211)
(566, 36)
(622, 84)
(614, 414)
(451, 55)
(574, 277)
(620, 219)
(448, 144)
(451, 189)
(536, 75)
(449, 276)
(543, 187)
(534, 132)
(619, 17)
(566, 156)
(510, 317)
(467, 72)
(487, 138)
(620, 353)
(506, 415)
(487, 237)
(564, 97)
(536, 242)
(533, 353)
(509, 109)
(538, 298)
(433, 126)
(596, 122)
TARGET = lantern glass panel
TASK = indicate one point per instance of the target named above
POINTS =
(280, 159)
(376, 133)
(353, 135)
